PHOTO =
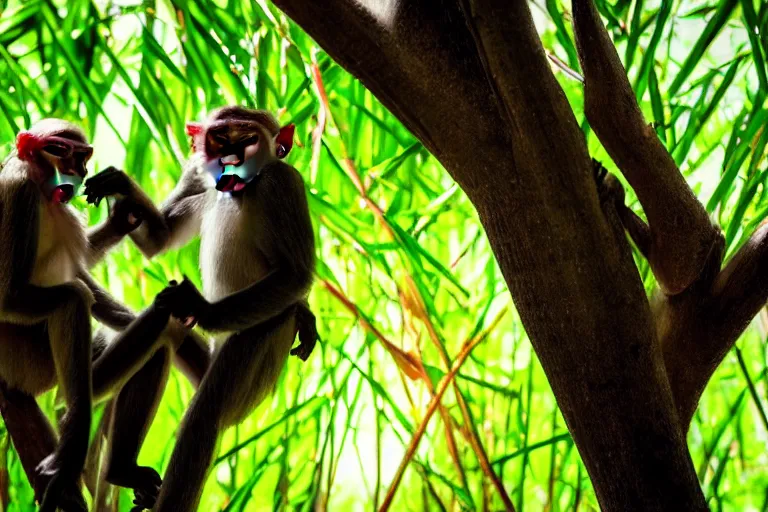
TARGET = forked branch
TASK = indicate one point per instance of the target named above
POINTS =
(698, 326)
(681, 233)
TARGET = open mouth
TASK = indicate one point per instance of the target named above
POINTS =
(62, 193)
(230, 183)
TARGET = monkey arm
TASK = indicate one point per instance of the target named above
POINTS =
(101, 240)
(22, 302)
(135, 215)
(289, 244)
(127, 215)
(126, 354)
(154, 233)
(306, 324)
(256, 304)
(106, 309)
(177, 222)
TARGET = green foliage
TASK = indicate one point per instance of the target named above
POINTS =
(406, 275)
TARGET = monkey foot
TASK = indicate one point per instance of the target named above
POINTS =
(70, 498)
(598, 172)
(145, 483)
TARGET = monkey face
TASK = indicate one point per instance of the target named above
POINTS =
(237, 144)
(59, 163)
(236, 151)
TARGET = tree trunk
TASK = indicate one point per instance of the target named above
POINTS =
(471, 80)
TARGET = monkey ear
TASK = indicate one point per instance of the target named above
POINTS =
(194, 130)
(284, 140)
(26, 144)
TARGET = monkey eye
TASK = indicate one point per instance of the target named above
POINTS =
(248, 141)
(57, 150)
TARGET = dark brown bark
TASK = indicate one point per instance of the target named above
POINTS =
(470, 79)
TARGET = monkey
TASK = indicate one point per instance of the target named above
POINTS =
(257, 258)
(45, 332)
(46, 301)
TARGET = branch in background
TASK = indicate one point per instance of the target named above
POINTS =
(741, 289)
(682, 234)
(433, 404)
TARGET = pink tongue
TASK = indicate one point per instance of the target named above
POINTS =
(230, 184)
(61, 194)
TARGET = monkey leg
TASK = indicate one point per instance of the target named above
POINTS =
(91, 472)
(135, 407)
(33, 438)
(242, 374)
(193, 358)
(69, 331)
(129, 352)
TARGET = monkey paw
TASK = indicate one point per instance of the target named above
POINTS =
(48, 467)
(109, 182)
(57, 489)
(184, 302)
(609, 188)
(126, 216)
(145, 483)
(304, 349)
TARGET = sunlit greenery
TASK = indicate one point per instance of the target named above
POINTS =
(406, 278)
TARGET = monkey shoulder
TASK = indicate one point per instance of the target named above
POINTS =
(281, 185)
(14, 172)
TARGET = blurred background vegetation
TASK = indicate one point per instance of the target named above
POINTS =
(406, 283)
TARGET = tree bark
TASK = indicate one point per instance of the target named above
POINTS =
(471, 80)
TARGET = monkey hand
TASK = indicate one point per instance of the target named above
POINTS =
(126, 216)
(109, 182)
(608, 186)
(58, 491)
(304, 349)
(184, 302)
(307, 337)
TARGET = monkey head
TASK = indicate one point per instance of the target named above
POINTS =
(237, 143)
(56, 152)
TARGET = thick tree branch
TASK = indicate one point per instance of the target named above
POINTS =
(699, 326)
(741, 289)
(502, 128)
(682, 235)
(418, 58)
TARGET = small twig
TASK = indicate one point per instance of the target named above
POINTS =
(441, 387)
(565, 68)
(752, 390)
